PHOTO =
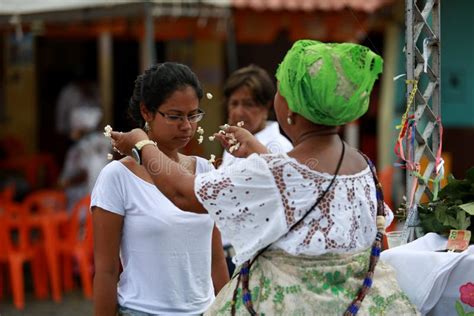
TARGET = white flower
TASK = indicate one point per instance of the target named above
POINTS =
(110, 156)
(200, 130)
(211, 138)
(240, 124)
(212, 159)
(209, 95)
(200, 139)
(107, 131)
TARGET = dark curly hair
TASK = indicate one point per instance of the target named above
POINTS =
(157, 84)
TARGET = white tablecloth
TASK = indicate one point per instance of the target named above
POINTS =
(434, 281)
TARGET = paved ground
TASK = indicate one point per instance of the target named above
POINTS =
(73, 304)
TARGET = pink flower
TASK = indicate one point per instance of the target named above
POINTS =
(467, 293)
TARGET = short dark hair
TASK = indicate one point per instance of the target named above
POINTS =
(157, 84)
(256, 79)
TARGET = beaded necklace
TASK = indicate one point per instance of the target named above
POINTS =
(244, 274)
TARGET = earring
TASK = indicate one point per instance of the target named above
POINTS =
(146, 127)
(289, 120)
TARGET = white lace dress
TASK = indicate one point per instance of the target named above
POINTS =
(255, 201)
(318, 267)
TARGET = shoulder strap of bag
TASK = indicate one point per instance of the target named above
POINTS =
(244, 273)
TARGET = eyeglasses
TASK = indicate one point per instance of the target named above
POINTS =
(176, 119)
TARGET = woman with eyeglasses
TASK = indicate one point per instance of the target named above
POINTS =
(172, 260)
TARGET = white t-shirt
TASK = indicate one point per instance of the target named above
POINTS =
(256, 200)
(271, 137)
(165, 252)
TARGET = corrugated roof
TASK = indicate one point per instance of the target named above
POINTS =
(39, 6)
(310, 5)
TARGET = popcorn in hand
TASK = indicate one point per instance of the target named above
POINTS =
(209, 96)
(212, 159)
(107, 131)
(234, 147)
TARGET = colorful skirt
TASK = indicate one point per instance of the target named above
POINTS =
(282, 284)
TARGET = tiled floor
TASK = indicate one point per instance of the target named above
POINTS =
(72, 304)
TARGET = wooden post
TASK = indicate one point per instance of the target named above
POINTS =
(105, 53)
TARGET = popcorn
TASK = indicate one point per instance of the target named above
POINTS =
(240, 124)
(234, 147)
(212, 159)
(222, 132)
(211, 138)
(107, 131)
(225, 126)
(200, 139)
(209, 96)
(200, 131)
(110, 156)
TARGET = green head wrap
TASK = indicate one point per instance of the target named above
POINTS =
(328, 84)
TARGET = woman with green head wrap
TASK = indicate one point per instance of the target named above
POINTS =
(306, 225)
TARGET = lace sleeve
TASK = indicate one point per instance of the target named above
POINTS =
(245, 203)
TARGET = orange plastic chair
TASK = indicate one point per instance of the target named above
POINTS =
(45, 200)
(14, 252)
(78, 247)
(49, 206)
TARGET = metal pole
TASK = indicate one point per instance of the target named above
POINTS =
(148, 41)
(231, 43)
(422, 141)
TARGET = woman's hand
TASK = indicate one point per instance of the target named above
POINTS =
(124, 142)
(240, 142)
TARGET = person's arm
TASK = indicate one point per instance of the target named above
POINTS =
(163, 171)
(219, 271)
(107, 237)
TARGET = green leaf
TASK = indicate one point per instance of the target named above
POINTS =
(440, 213)
(459, 309)
(463, 222)
(470, 174)
(451, 178)
(451, 221)
(468, 208)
